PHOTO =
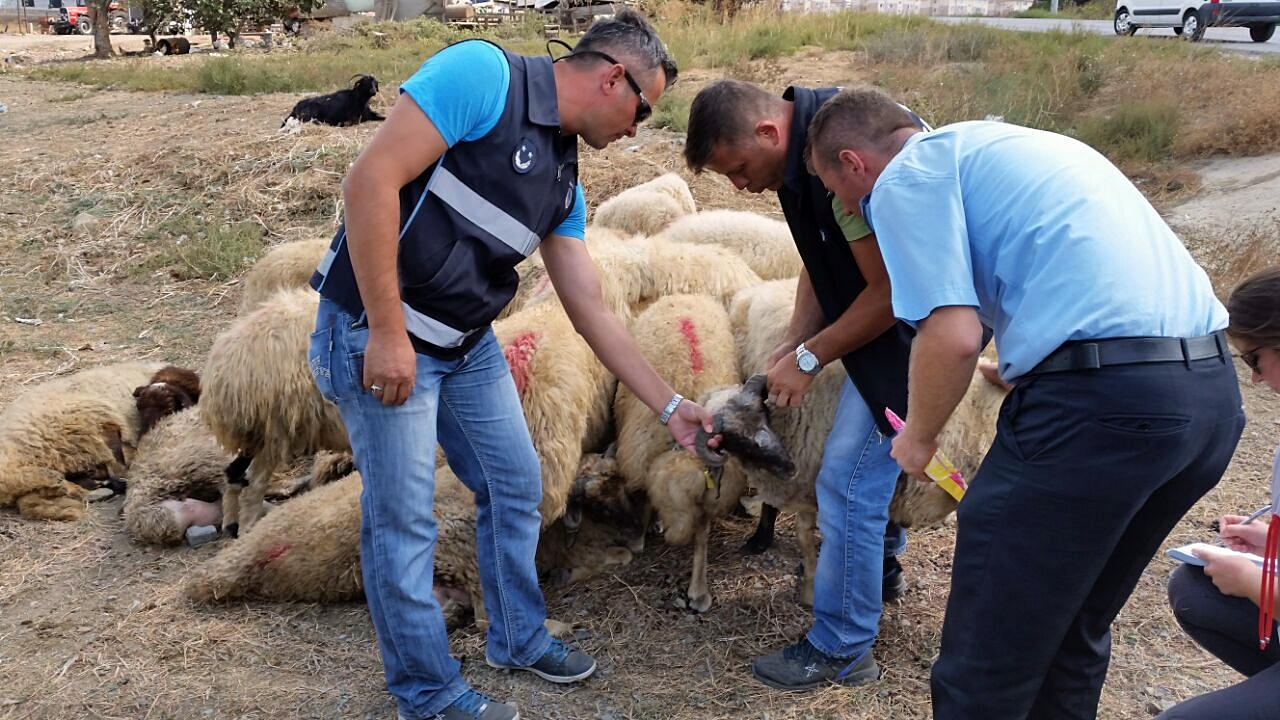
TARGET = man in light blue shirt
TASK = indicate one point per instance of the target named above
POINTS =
(1125, 408)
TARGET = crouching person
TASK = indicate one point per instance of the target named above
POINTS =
(475, 167)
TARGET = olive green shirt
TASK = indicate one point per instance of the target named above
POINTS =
(854, 227)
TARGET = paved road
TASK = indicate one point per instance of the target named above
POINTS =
(1228, 39)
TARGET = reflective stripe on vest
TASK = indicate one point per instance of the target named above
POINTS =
(482, 213)
(425, 327)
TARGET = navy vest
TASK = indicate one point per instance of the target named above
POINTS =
(467, 221)
(879, 368)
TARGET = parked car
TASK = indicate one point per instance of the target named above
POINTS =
(1189, 18)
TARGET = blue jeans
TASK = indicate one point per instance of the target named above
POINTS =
(470, 406)
(855, 485)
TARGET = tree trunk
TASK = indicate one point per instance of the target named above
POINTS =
(101, 28)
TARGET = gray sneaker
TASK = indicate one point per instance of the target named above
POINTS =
(559, 664)
(804, 667)
(475, 706)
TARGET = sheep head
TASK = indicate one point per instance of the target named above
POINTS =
(365, 85)
(741, 419)
(600, 493)
(157, 400)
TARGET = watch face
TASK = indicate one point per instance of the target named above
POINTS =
(806, 361)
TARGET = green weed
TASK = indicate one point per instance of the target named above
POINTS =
(1139, 131)
(187, 249)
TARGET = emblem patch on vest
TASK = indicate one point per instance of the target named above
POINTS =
(524, 156)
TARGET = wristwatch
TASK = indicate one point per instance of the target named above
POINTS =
(806, 361)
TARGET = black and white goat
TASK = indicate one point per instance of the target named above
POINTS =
(344, 107)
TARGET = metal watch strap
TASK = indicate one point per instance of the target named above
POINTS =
(672, 404)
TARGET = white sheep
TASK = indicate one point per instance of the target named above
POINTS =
(648, 207)
(687, 337)
(261, 402)
(177, 479)
(71, 433)
(288, 265)
(565, 390)
(308, 550)
(763, 243)
(759, 316)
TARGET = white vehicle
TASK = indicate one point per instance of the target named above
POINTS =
(1189, 18)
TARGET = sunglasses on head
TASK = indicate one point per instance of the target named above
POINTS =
(643, 108)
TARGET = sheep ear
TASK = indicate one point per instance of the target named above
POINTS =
(611, 452)
(756, 385)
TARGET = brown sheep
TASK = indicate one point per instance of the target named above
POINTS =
(171, 389)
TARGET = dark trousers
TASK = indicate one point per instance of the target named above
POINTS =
(1227, 627)
(1088, 473)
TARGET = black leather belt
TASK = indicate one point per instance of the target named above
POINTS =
(1093, 354)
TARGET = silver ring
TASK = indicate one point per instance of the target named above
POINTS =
(375, 389)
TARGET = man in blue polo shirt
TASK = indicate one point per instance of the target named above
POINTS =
(474, 169)
(1125, 408)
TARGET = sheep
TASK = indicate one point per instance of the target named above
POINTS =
(261, 402)
(288, 265)
(343, 107)
(635, 271)
(648, 207)
(309, 551)
(763, 243)
(613, 257)
(177, 480)
(688, 338)
(171, 390)
(565, 391)
(759, 316)
(603, 527)
(68, 435)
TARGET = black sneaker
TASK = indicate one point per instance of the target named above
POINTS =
(804, 667)
(559, 664)
(475, 706)
(894, 584)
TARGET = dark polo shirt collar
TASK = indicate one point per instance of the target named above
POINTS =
(804, 105)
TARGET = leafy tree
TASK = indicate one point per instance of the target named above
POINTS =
(164, 17)
(231, 17)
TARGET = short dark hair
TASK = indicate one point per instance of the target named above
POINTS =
(861, 117)
(1254, 307)
(628, 34)
(723, 114)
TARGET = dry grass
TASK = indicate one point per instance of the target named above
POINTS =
(91, 625)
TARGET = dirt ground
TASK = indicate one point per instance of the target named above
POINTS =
(93, 626)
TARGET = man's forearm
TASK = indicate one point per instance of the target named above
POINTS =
(866, 319)
(371, 225)
(943, 357)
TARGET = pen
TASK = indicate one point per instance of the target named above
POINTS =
(1259, 513)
